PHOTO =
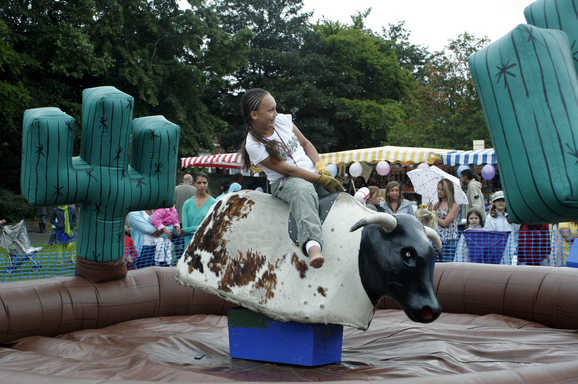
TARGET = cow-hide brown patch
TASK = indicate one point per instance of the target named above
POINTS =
(300, 265)
(241, 271)
(233, 272)
(268, 281)
(244, 270)
(195, 263)
(212, 240)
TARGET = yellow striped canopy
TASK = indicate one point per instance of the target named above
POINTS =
(403, 155)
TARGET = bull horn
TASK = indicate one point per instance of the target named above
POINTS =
(432, 234)
(387, 222)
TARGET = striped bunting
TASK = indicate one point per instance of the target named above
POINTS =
(477, 157)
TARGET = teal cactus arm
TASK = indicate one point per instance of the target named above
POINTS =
(559, 14)
(154, 157)
(100, 179)
(528, 88)
(48, 174)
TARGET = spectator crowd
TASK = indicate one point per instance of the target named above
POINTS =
(479, 231)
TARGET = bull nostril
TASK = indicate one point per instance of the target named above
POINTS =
(427, 313)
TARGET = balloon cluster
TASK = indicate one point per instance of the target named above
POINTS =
(382, 168)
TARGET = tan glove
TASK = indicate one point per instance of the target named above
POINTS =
(320, 167)
(330, 184)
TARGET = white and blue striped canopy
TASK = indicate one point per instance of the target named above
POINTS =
(476, 157)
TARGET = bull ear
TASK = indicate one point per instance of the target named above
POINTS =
(434, 237)
(388, 222)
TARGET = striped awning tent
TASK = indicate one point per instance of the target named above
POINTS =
(403, 155)
(475, 157)
(222, 160)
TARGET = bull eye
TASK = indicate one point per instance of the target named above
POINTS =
(408, 253)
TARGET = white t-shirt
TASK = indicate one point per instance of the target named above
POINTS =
(284, 135)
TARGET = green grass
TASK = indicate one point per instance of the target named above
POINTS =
(51, 258)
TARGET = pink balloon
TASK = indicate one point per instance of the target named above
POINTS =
(488, 172)
(423, 166)
(382, 168)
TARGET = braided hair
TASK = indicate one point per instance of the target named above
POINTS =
(251, 101)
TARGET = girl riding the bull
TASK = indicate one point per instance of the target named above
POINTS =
(291, 163)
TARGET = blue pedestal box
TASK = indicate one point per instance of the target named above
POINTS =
(254, 336)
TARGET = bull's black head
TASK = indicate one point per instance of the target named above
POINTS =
(396, 259)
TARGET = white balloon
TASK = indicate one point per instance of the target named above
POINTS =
(332, 168)
(382, 168)
(423, 166)
(355, 169)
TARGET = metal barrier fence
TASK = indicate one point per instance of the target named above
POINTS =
(548, 248)
(532, 247)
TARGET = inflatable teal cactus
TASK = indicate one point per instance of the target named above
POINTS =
(558, 14)
(528, 88)
(103, 180)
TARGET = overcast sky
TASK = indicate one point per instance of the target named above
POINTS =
(431, 23)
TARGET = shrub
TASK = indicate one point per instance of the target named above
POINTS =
(14, 207)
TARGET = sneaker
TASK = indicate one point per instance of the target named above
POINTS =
(316, 261)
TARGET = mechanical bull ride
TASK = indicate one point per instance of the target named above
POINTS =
(244, 252)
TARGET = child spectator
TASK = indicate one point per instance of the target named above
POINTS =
(498, 220)
(474, 220)
(63, 220)
(375, 198)
(568, 233)
(429, 219)
(167, 221)
(130, 253)
(426, 217)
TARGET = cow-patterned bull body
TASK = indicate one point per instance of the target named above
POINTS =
(243, 252)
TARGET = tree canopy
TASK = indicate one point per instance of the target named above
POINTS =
(345, 85)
